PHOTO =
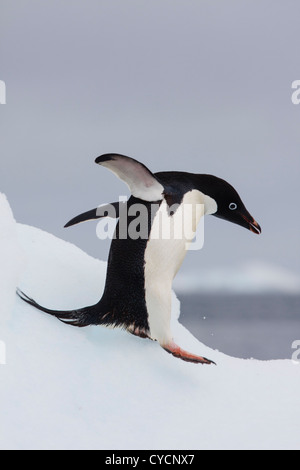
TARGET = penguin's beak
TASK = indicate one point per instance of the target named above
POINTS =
(241, 217)
(252, 224)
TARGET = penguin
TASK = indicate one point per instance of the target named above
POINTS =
(141, 269)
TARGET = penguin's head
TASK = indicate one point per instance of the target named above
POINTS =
(230, 206)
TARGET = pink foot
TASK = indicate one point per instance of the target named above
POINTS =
(176, 351)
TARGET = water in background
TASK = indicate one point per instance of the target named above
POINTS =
(246, 326)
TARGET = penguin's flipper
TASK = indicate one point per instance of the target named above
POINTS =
(90, 215)
(141, 182)
(108, 210)
(176, 351)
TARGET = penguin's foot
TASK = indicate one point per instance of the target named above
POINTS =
(176, 351)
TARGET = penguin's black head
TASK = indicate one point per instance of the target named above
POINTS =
(226, 202)
(230, 207)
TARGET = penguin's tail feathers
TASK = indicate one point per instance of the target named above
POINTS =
(81, 317)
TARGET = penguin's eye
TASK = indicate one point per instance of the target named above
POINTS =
(232, 206)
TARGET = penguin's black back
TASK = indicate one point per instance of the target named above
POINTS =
(124, 294)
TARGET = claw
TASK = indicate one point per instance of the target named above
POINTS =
(176, 351)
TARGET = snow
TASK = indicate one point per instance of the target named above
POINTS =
(11, 259)
(95, 388)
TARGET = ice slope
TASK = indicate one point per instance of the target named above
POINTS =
(94, 388)
(11, 259)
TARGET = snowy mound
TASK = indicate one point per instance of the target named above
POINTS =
(94, 388)
(11, 260)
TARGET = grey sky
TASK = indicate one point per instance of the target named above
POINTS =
(199, 86)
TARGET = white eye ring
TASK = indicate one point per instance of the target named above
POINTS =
(233, 206)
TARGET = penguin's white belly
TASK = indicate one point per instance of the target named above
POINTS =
(168, 243)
